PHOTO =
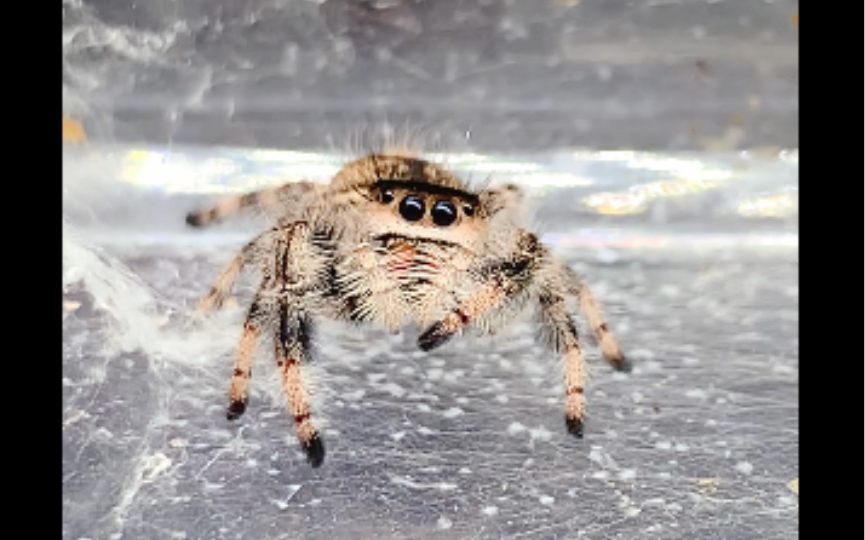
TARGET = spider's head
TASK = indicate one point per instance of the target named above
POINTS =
(407, 196)
(415, 198)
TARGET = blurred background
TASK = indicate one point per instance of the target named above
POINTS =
(658, 142)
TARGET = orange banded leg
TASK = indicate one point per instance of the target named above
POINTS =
(216, 297)
(232, 204)
(238, 396)
(606, 341)
(292, 347)
(561, 332)
(575, 380)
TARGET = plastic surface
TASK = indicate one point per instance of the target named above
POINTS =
(649, 137)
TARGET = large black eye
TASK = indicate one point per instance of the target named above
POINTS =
(444, 213)
(411, 208)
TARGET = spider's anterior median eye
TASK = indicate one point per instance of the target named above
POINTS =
(444, 213)
(386, 196)
(411, 208)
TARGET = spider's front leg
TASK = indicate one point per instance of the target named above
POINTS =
(292, 345)
(238, 395)
(265, 199)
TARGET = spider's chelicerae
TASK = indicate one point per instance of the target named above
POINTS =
(398, 240)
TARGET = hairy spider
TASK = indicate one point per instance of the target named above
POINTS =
(398, 240)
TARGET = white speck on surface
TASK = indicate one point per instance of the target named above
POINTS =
(540, 434)
(394, 389)
(627, 474)
(651, 366)
(357, 395)
(434, 374)
(603, 459)
(744, 467)
(444, 523)
(292, 491)
(601, 475)
(663, 445)
(682, 447)
(453, 412)
(673, 507)
(515, 428)
(398, 435)
(423, 430)
(490, 510)
(632, 511)
(696, 393)
(546, 500)
(178, 442)
(154, 465)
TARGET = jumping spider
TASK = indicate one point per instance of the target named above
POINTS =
(397, 240)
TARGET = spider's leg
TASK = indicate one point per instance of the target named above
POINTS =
(292, 344)
(217, 294)
(238, 396)
(264, 199)
(589, 306)
(561, 333)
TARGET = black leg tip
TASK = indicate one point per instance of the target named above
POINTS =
(575, 427)
(624, 365)
(235, 410)
(195, 219)
(434, 337)
(314, 449)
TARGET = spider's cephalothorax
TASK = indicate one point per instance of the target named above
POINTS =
(397, 240)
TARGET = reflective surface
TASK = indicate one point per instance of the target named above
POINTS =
(699, 441)
(516, 76)
(657, 140)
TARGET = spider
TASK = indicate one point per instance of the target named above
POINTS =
(397, 240)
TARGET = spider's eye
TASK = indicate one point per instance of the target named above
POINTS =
(386, 196)
(411, 208)
(444, 213)
(468, 210)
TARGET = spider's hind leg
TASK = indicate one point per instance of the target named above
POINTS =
(591, 309)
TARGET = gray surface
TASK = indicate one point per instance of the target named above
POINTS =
(700, 441)
(691, 246)
(515, 75)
